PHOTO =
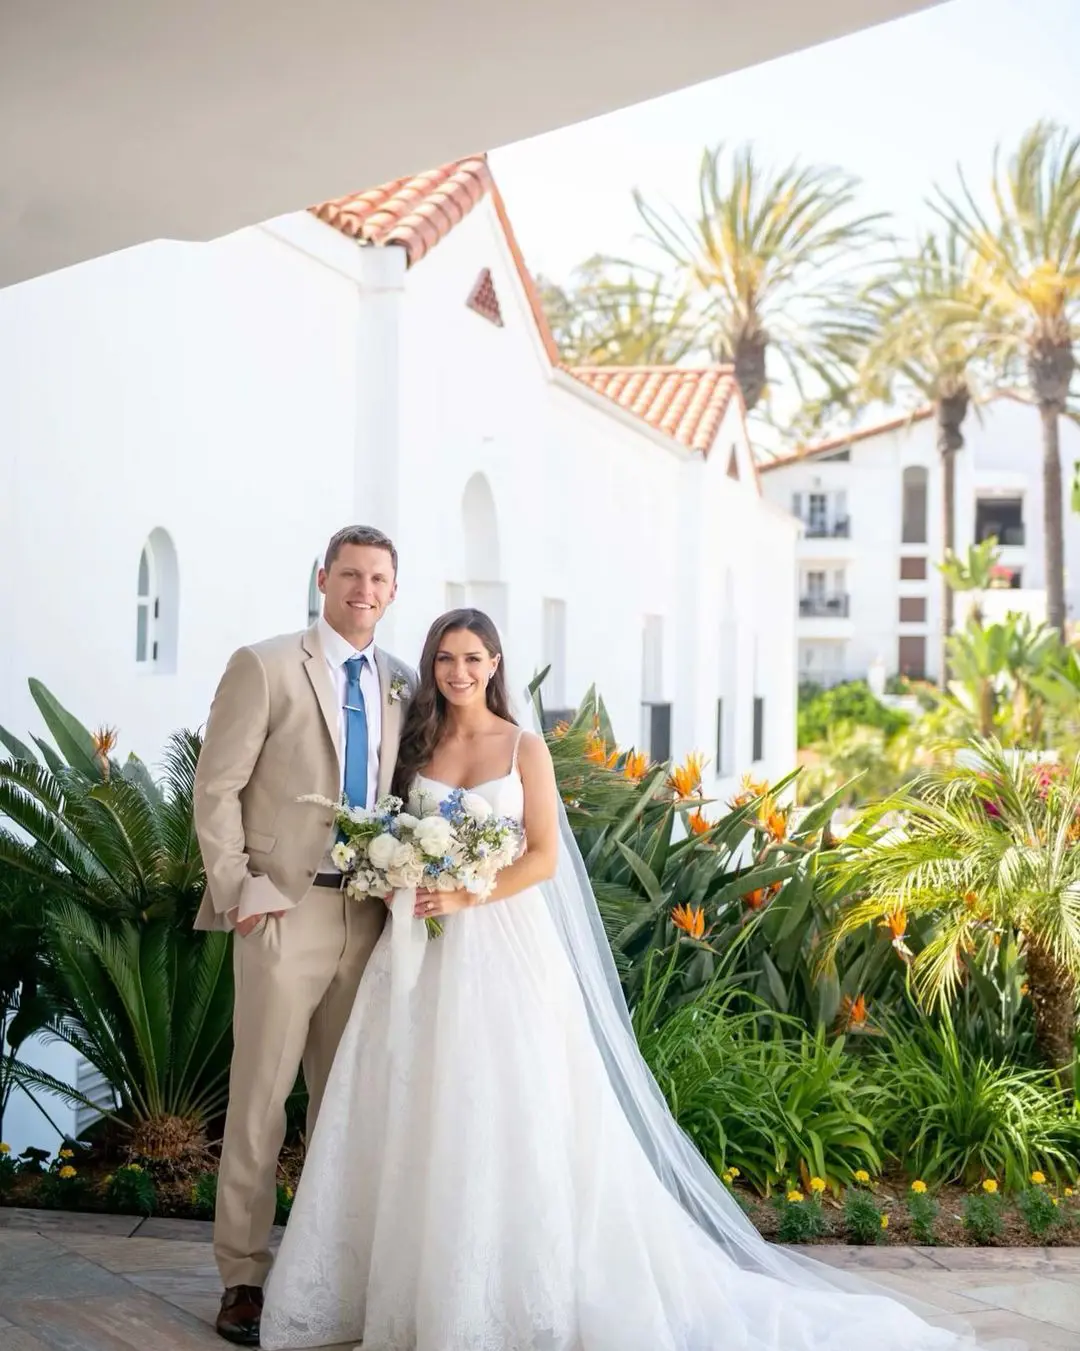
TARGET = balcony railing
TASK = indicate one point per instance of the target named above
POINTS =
(824, 607)
(838, 529)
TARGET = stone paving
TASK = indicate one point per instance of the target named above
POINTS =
(114, 1283)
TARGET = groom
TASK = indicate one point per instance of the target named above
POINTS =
(315, 712)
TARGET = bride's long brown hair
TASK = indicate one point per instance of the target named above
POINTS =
(425, 718)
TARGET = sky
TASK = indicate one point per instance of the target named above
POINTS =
(899, 106)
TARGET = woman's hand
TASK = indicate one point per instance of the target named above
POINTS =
(432, 904)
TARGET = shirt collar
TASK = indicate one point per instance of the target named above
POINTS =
(338, 650)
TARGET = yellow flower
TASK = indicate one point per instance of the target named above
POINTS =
(990, 1186)
(289, 1193)
(1055, 1200)
(861, 1175)
(884, 1221)
(133, 1167)
(109, 1178)
(817, 1185)
(4, 1149)
(1038, 1178)
(727, 1177)
(734, 1172)
(918, 1186)
(67, 1171)
(794, 1197)
(690, 919)
(1068, 1191)
(67, 1154)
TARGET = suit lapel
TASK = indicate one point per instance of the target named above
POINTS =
(391, 724)
(317, 673)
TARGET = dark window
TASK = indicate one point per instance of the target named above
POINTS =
(914, 521)
(758, 752)
(658, 731)
(913, 569)
(719, 735)
(1001, 519)
(912, 609)
(553, 716)
(912, 656)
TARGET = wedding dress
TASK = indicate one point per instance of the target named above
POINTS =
(486, 1180)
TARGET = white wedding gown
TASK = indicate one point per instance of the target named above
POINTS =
(486, 1192)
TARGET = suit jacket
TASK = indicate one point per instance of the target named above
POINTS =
(271, 737)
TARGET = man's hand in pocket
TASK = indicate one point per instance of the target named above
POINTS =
(244, 927)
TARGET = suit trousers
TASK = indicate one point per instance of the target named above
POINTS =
(296, 979)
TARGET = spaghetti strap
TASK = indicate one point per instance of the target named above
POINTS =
(517, 743)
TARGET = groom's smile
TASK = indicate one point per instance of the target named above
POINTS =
(358, 586)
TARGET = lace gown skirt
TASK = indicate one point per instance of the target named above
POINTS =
(487, 1194)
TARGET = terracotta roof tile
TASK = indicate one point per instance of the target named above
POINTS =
(848, 439)
(414, 212)
(684, 403)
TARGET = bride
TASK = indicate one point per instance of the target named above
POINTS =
(498, 1171)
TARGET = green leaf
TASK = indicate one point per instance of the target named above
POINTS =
(73, 740)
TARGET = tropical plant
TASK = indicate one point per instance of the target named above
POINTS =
(612, 316)
(1026, 250)
(972, 573)
(984, 849)
(927, 340)
(948, 1114)
(764, 263)
(131, 987)
(852, 702)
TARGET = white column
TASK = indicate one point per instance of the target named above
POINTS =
(378, 389)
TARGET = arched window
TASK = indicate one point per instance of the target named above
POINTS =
(484, 586)
(157, 604)
(314, 595)
(914, 518)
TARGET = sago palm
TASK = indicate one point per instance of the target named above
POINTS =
(984, 848)
(923, 347)
(765, 262)
(1026, 246)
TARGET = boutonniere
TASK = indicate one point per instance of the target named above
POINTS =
(399, 689)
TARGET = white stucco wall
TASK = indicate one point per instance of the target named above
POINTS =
(1002, 453)
(249, 396)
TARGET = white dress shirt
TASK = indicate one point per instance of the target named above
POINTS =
(338, 651)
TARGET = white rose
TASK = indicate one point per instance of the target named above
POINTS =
(382, 851)
(343, 856)
(446, 882)
(410, 874)
(433, 835)
(406, 821)
(479, 808)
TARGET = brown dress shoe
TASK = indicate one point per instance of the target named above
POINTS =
(240, 1314)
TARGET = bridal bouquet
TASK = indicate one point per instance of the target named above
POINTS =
(444, 844)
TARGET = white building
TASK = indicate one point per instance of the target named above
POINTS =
(182, 427)
(869, 590)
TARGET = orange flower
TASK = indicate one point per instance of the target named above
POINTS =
(104, 741)
(854, 1012)
(685, 779)
(896, 923)
(596, 752)
(698, 824)
(751, 791)
(636, 766)
(774, 823)
(756, 899)
(561, 728)
(690, 919)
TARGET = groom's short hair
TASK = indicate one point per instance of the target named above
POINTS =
(359, 534)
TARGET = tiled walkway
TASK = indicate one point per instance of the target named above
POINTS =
(113, 1283)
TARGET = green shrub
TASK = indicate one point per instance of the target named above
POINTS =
(852, 702)
(130, 1191)
(1041, 1211)
(204, 1195)
(983, 1214)
(862, 1217)
(62, 1187)
(801, 1217)
(8, 1168)
(953, 1116)
(922, 1210)
(284, 1203)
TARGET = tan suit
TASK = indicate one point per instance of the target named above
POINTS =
(272, 736)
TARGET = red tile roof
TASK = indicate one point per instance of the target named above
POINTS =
(842, 442)
(684, 403)
(414, 212)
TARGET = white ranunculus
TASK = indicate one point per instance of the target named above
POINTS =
(343, 855)
(479, 808)
(406, 821)
(409, 874)
(433, 835)
(382, 851)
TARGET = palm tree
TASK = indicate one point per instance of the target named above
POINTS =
(984, 850)
(763, 264)
(921, 342)
(617, 318)
(1027, 252)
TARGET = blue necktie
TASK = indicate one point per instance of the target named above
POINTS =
(356, 735)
